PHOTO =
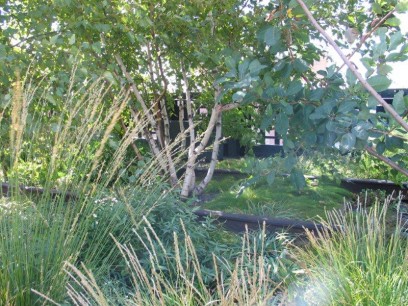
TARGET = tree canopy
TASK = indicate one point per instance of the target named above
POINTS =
(235, 54)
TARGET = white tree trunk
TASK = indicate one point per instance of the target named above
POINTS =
(189, 177)
(214, 157)
(181, 123)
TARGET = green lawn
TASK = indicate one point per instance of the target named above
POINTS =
(279, 200)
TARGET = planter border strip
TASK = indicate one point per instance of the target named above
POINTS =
(238, 222)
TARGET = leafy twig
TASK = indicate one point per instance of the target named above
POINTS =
(366, 36)
(386, 160)
(353, 69)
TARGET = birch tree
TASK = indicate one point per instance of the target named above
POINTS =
(160, 50)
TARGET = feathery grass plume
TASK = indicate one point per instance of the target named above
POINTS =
(40, 232)
(247, 281)
(18, 118)
(116, 110)
(360, 258)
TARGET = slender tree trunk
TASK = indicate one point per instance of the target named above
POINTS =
(189, 177)
(146, 111)
(214, 157)
(166, 122)
(181, 123)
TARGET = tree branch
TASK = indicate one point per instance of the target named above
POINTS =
(366, 36)
(386, 160)
(353, 69)
(27, 39)
(227, 107)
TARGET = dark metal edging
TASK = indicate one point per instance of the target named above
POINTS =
(239, 222)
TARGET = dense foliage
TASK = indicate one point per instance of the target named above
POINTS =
(81, 80)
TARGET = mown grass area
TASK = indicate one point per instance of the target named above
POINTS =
(280, 199)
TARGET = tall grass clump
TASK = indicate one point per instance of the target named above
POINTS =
(252, 277)
(60, 146)
(359, 259)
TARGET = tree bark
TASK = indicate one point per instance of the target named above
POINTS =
(189, 177)
(214, 157)
(153, 145)
(181, 123)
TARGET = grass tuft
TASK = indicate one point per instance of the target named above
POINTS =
(364, 262)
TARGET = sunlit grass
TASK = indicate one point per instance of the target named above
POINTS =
(285, 200)
(39, 234)
(360, 259)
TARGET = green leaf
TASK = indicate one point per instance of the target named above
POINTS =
(50, 99)
(379, 82)
(293, 3)
(381, 32)
(279, 65)
(266, 123)
(377, 8)
(289, 163)
(97, 47)
(369, 72)
(316, 94)
(287, 108)
(384, 69)
(268, 79)
(243, 68)
(55, 127)
(288, 145)
(54, 39)
(393, 142)
(294, 87)
(348, 141)
(398, 102)
(395, 39)
(3, 51)
(333, 126)
(272, 36)
(72, 39)
(238, 96)
(393, 22)
(230, 63)
(360, 131)
(250, 97)
(109, 76)
(270, 178)
(395, 57)
(255, 66)
(380, 148)
(310, 138)
(300, 65)
(372, 102)
(402, 6)
(350, 78)
(379, 49)
(347, 106)
(368, 62)
(282, 124)
(298, 179)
